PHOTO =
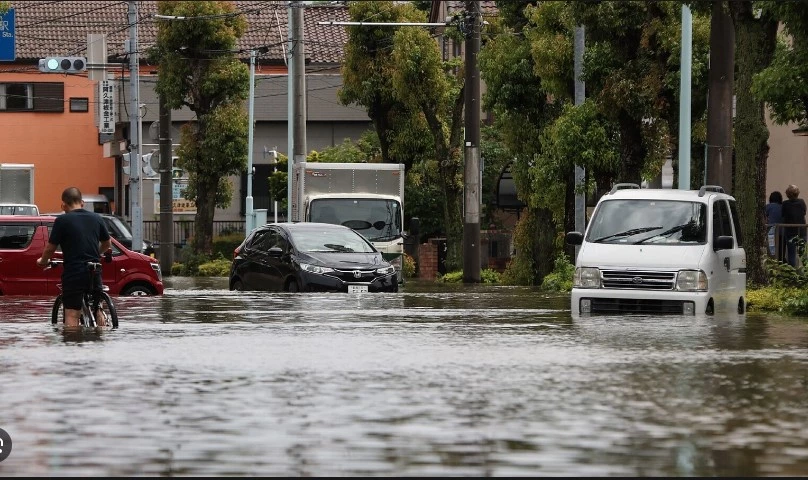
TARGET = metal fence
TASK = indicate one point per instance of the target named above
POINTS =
(184, 229)
(779, 243)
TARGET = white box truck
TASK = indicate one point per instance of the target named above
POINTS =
(368, 197)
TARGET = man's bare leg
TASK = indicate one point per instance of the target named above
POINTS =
(72, 317)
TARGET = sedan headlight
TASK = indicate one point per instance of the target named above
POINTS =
(586, 277)
(386, 270)
(691, 281)
(315, 269)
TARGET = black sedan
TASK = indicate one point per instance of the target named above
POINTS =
(310, 257)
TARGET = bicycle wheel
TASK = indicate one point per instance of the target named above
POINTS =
(107, 308)
(57, 313)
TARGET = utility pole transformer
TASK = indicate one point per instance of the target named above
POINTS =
(471, 225)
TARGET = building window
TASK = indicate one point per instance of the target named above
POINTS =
(79, 104)
(36, 97)
(16, 97)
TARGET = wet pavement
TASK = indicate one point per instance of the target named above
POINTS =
(436, 380)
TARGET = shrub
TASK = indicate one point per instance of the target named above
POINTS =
(560, 279)
(225, 244)
(219, 267)
(487, 275)
(771, 298)
(408, 266)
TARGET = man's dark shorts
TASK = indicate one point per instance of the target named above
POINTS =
(73, 292)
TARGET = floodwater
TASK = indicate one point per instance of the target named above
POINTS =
(437, 380)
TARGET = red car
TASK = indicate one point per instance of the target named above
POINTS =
(22, 240)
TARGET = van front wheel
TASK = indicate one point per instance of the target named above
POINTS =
(710, 308)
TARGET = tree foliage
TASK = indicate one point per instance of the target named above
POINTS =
(783, 84)
(199, 70)
(415, 101)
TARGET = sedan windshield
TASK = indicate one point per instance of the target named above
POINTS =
(634, 222)
(330, 240)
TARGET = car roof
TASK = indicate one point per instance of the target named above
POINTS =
(701, 195)
(26, 218)
(309, 226)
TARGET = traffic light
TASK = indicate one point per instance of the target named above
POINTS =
(176, 172)
(62, 64)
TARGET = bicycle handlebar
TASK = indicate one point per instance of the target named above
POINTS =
(55, 263)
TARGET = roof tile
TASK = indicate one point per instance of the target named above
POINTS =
(60, 28)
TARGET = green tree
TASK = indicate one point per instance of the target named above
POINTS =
(782, 84)
(415, 101)
(519, 101)
(199, 70)
(755, 39)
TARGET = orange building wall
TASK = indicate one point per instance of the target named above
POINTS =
(63, 147)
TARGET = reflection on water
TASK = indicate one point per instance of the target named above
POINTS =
(437, 380)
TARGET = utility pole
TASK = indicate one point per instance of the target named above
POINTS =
(298, 95)
(721, 82)
(248, 202)
(135, 147)
(580, 97)
(290, 109)
(166, 190)
(471, 226)
(684, 98)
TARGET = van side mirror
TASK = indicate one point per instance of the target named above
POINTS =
(724, 242)
(108, 255)
(574, 238)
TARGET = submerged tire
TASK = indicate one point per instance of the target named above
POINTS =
(57, 313)
(109, 311)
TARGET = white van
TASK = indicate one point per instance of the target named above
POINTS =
(660, 251)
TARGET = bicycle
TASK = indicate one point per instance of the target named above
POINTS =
(101, 302)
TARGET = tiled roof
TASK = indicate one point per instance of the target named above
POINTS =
(487, 8)
(60, 28)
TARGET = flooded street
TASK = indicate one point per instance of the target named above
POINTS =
(437, 380)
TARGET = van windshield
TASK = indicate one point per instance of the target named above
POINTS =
(633, 222)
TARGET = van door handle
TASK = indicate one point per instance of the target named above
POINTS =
(726, 263)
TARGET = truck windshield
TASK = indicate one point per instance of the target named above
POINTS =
(377, 220)
(634, 222)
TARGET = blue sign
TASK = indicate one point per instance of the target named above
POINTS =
(8, 50)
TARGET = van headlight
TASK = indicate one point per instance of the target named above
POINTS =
(586, 277)
(315, 269)
(691, 281)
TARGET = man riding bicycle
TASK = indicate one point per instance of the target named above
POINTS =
(83, 236)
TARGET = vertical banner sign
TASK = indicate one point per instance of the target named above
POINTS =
(8, 49)
(106, 97)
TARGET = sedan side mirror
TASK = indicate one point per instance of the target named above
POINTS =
(275, 252)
